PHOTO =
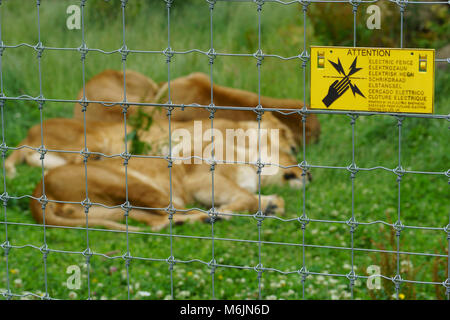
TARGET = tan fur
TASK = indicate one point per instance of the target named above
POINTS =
(67, 135)
(61, 134)
(108, 86)
(158, 133)
(148, 187)
(148, 179)
(106, 185)
(196, 88)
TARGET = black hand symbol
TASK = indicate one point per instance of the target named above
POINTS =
(336, 90)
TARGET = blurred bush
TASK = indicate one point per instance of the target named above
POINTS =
(425, 26)
(102, 11)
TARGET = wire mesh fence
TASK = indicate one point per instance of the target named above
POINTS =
(210, 57)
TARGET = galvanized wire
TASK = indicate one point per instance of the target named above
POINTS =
(303, 219)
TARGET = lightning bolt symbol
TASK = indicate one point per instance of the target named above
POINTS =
(355, 90)
(353, 70)
(338, 66)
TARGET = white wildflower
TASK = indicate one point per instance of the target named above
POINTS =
(143, 294)
(18, 283)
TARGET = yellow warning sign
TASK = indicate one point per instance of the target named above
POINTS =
(372, 79)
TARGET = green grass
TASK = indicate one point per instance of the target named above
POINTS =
(425, 198)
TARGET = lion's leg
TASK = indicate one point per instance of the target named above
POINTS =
(71, 215)
(228, 196)
(15, 158)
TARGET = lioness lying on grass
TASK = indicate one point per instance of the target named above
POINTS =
(192, 89)
(148, 179)
(107, 138)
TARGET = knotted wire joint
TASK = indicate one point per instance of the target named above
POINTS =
(353, 169)
(123, 3)
(398, 227)
(212, 265)
(352, 277)
(259, 268)
(259, 3)
(259, 110)
(259, 56)
(124, 106)
(169, 161)
(4, 149)
(446, 284)
(126, 207)
(83, 50)
(4, 197)
(169, 108)
(259, 216)
(304, 56)
(85, 154)
(39, 48)
(126, 157)
(355, 4)
(447, 231)
(6, 246)
(44, 250)
(171, 261)
(304, 273)
(43, 201)
(211, 55)
(170, 211)
(87, 254)
(402, 4)
(260, 165)
(168, 53)
(127, 257)
(353, 118)
(83, 3)
(212, 163)
(305, 4)
(86, 204)
(303, 112)
(303, 165)
(168, 3)
(213, 214)
(304, 220)
(212, 110)
(2, 48)
(124, 52)
(447, 173)
(400, 172)
(40, 100)
(352, 223)
(397, 280)
(84, 104)
(7, 294)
